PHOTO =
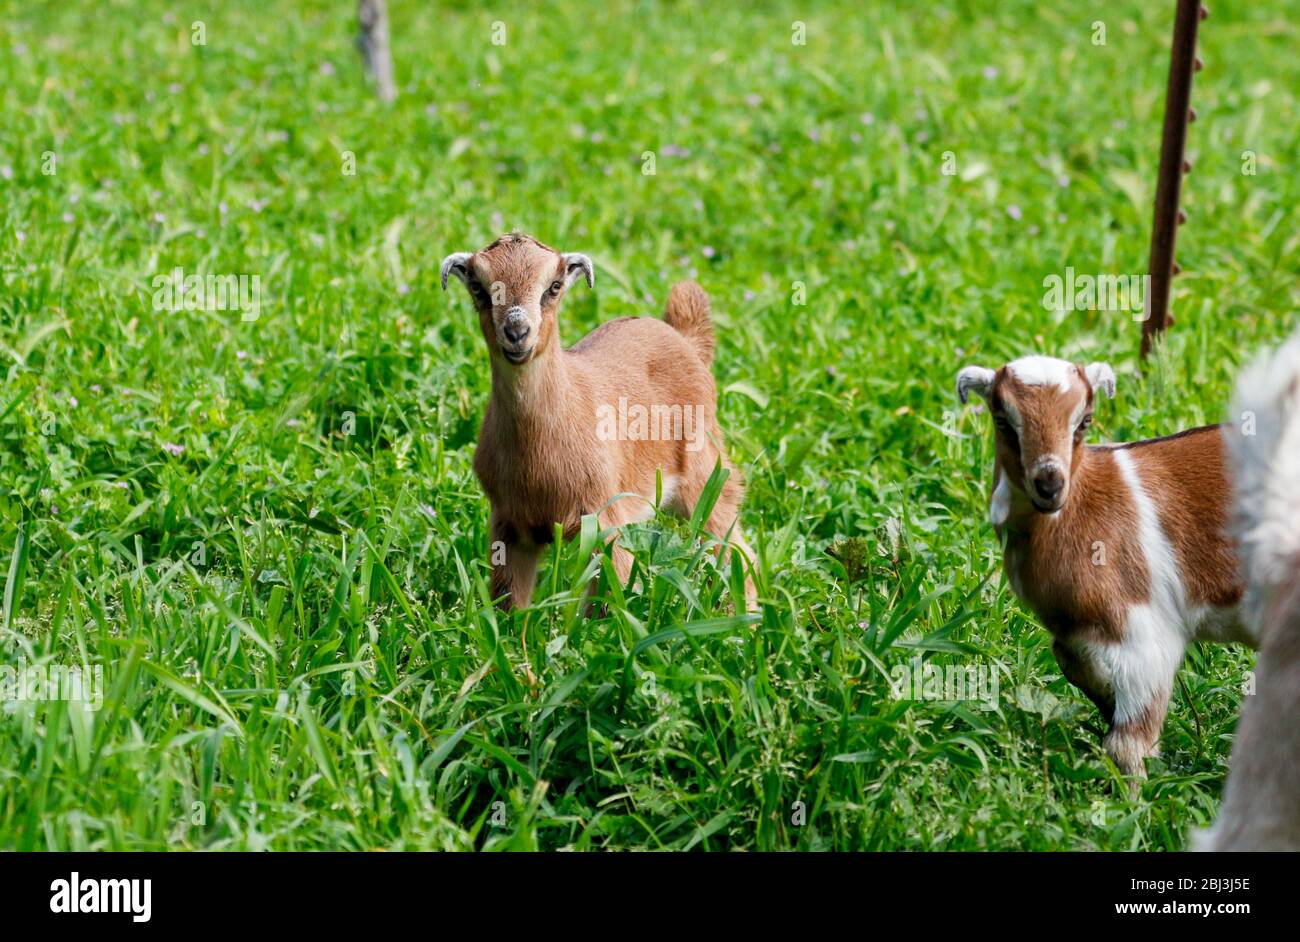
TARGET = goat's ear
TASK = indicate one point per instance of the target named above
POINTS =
(575, 264)
(1102, 378)
(974, 379)
(456, 264)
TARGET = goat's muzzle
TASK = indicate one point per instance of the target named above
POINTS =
(1048, 487)
(517, 337)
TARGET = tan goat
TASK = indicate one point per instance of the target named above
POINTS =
(1121, 550)
(586, 430)
(1261, 802)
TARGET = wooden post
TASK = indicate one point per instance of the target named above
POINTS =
(373, 41)
(1173, 164)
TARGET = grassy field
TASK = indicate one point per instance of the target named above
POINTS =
(267, 534)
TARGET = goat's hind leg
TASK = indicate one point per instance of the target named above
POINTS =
(619, 555)
(724, 523)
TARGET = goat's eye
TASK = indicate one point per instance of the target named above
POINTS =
(1001, 424)
(1085, 422)
(555, 287)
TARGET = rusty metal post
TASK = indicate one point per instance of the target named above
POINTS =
(372, 16)
(1173, 164)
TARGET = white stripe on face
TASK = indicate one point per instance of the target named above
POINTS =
(1064, 460)
(1047, 431)
(1044, 371)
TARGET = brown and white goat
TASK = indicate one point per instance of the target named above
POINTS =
(1121, 550)
(1261, 802)
(557, 442)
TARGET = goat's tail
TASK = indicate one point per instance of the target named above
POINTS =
(1264, 443)
(687, 312)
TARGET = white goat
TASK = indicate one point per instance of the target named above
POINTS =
(1261, 802)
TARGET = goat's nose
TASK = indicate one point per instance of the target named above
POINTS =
(1049, 482)
(516, 329)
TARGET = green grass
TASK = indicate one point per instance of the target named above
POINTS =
(292, 625)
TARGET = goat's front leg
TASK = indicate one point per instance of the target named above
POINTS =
(1082, 672)
(514, 567)
(1135, 732)
(1139, 670)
